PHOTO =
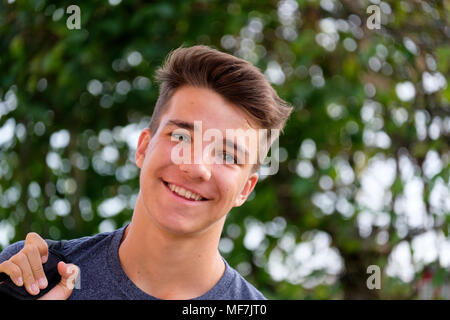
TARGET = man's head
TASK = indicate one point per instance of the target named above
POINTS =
(222, 92)
(236, 80)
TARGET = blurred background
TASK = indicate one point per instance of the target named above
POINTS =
(364, 158)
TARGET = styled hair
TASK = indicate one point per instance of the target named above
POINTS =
(235, 79)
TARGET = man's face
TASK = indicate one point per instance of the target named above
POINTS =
(224, 185)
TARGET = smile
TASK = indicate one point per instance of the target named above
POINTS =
(182, 193)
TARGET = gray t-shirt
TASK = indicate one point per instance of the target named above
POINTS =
(102, 276)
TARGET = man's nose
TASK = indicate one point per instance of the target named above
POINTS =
(196, 171)
(199, 167)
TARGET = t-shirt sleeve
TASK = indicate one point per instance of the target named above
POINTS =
(11, 250)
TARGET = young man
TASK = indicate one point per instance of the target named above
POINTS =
(170, 248)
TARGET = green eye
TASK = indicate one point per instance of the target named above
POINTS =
(230, 159)
(180, 137)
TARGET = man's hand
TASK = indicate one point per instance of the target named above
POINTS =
(25, 268)
(62, 291)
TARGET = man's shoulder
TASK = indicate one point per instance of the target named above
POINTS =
(96, 242)
(11, 250)
(239, 288)
(67, 247)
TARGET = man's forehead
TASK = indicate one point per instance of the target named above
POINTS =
(200, 123)
(203, 104)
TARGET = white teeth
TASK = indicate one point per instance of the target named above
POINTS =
(184, 193)
(181, 191)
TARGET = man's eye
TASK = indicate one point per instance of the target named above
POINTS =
(229, 158)
(180, 137)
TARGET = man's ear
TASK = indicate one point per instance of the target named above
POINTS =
(144, 140)
(246, 190)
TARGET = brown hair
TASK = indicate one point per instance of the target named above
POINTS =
(235, 79)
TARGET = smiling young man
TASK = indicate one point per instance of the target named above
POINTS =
(169, 250)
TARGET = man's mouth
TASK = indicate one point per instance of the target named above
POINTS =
(185, 194)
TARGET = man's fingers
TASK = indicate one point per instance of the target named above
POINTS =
(69, 274)
(59, 292)
(34, 259)
(63, 290)
(13, 272)
(21, 260)
(35, 239)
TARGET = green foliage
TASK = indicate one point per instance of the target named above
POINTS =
(95, 86)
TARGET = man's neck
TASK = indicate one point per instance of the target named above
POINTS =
(167, 266)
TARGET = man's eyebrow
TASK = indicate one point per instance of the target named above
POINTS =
(190, 126)
(181, 124)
